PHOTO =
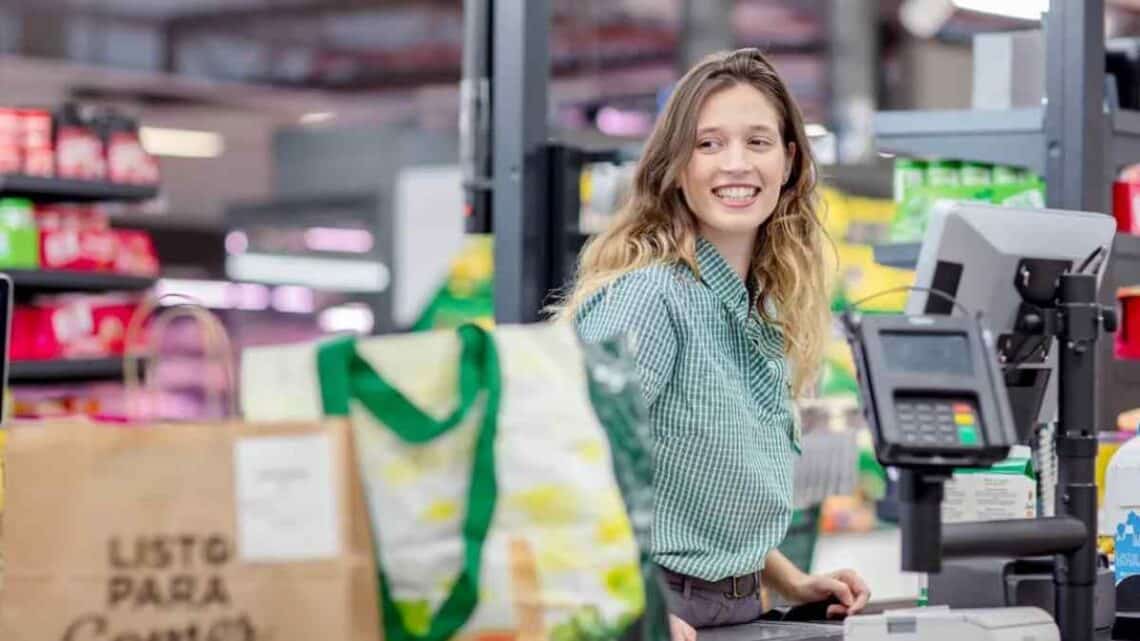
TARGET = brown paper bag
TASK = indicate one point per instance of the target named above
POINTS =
(222, 532)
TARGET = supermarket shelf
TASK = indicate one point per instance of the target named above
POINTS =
(1002, 137)
(66, 370)
(898, 255)
(67, 190)
(44, 281)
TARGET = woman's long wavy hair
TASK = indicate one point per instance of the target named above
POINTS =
(656, 226)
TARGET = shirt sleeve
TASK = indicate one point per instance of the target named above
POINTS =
(636, 306)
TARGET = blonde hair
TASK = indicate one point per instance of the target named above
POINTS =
(656, 226)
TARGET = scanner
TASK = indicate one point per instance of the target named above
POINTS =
(942, 392)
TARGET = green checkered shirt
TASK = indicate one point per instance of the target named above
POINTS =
(717, 385)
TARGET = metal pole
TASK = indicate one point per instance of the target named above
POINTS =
(853, 34)
(706, 27)
(475, 114)
(1075, 124)
(520, 72)
(1075, 574)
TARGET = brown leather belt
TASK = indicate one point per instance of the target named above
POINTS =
(736, 587)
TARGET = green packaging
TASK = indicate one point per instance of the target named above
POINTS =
(16, 212)
(944, 173)
(19, 248)
(976, 173)
(909, 173)
(1006, 175)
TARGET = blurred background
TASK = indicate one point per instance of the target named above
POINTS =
(312, 167)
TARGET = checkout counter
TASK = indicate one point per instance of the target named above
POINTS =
(942, 392)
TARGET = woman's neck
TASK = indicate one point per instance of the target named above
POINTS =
(736, 248)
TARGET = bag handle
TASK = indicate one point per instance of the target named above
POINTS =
(142, 386)
(345, 375)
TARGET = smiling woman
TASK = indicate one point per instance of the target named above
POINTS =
(715, 269)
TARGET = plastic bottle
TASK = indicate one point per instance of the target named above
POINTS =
(1121, 519)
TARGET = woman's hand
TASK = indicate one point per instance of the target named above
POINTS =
(845, 585)
(681, 631)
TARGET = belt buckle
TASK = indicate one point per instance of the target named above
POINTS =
(736, 594)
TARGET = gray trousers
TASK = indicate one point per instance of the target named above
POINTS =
(703, 605)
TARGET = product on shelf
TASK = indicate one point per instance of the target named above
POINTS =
(909, 172)
(11, 158)
(36, 143)
(944, 173)
(127, 161)
(976, 173)
(134, 253)
(73, 326)
(19, 243)
(79, 149)
(76, 142)
(945, 181)
(1126, 206)
(80, 238)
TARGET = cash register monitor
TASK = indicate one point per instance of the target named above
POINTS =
(998, 260)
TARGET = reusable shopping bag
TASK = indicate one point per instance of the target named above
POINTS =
(507, 474)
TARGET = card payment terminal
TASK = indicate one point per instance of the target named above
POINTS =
(932, 390)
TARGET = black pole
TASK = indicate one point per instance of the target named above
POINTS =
(1013, 537)
(1075, 574)
(920, 520)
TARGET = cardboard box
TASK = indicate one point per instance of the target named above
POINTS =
(1007, 490)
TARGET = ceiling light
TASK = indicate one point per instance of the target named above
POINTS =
(814, 130)
(181, 143)
(353, 317)
(1020, 9)
(324, 274)
(317, 117)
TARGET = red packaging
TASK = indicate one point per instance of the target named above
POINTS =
(127, 161)
(36, 142)
(72, 327)
(71, 217)
(1127, 344)
(1126, 206)
(79, 153)
(32, 335)
(11, 155)
(135, 254)
(77, 249)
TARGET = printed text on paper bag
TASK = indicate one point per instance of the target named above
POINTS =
(167, 573)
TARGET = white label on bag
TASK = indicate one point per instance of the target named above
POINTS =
(287, 508)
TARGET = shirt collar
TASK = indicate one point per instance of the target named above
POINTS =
(721, 279)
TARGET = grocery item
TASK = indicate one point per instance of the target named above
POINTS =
(37, 146)
(1006, 175)
(1006, 490)
(913, 213)
(79, 149)
(134, 253)
(11, 146)
(1127, 342)
(19, 244)
(909, 173)
(127, 161)
(976, 173)
(944, 173)
(1121, 513)
(74, 326)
